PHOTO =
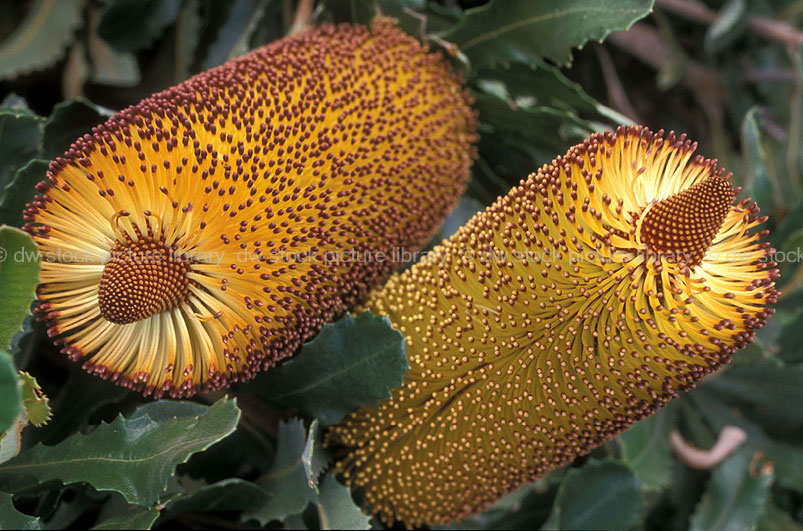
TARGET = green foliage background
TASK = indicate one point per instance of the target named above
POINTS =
(728, 73)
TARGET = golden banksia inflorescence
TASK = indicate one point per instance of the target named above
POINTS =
(581, 302)
(203, 234)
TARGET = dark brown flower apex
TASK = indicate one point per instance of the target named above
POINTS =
(683, 226)
(141, 279)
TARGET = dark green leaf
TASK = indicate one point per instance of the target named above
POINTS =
(134, 457)
(19, 275)
(774, 390)
(214, 15)
(233, 36)
(735, 497)
(11, 518)
(162, 410)
(133, 518)
(507, 31)
(188, 28)
(227, 495)
(788, 473)
(10, 393)
(337, 510)
(110, 66)
(540, 84)
(757, 183)
(728, 25)
(20, 141)
(70, 120)
(131, 25)
(21, 191)
(600, 495)
(350, 363)
(352, 11)
(402, 10)
(544, 127)
(776, 519)
(40, 40)
(228, 26)
(286, 481)
(645, 449)
(34, 402)
(523, 509)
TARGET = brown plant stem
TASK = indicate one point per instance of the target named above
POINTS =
(730, 438)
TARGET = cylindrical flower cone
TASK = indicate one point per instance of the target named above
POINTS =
(202, 235)
(581, 302)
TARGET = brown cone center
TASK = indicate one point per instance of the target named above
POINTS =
(141, 279)
(682, 227)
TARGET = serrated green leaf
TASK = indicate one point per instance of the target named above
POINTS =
(735, 497)
(16, 103)
(645, 449)
(20, 141)
(504, 31)
(133, 518)
(132, 25)
(286, 482)
(81, 396)
(134, 457)
(314, 456)
(600, 495)
(69, 120)
(40, 40)
(34, 402)
(228, 495)
(337, 510)
(10, 393)
(19, 275)
(353, 362)
(11, 518)
(20, 191)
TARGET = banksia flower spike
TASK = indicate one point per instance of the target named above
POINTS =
(581, 302)
(203, 234)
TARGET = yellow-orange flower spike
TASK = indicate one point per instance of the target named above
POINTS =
(203, 234)
(569, 309)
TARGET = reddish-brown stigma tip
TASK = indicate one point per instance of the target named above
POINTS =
(141, 279)
(682, 227)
